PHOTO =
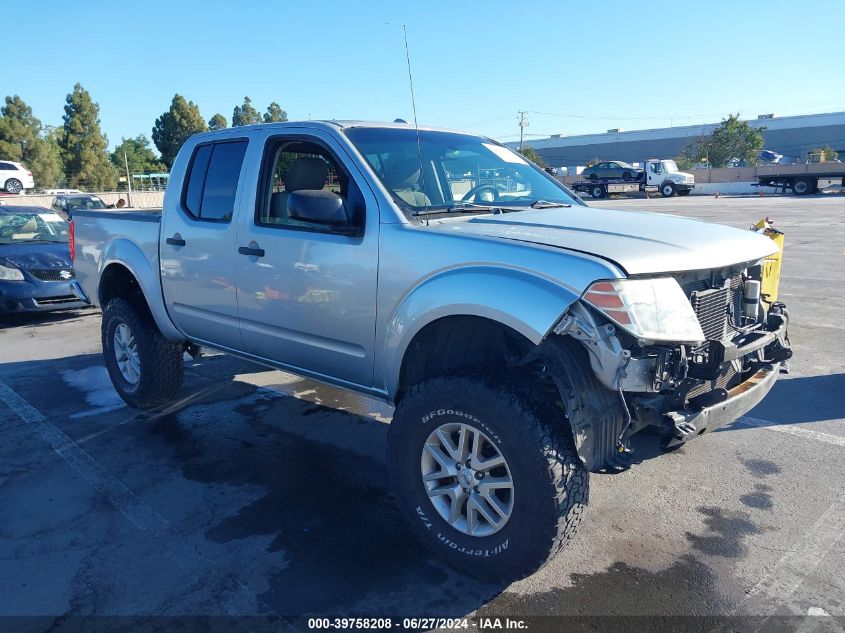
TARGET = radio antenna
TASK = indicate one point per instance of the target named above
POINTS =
(414, 106)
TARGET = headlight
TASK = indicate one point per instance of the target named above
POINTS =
(10, 274)
(649, 309)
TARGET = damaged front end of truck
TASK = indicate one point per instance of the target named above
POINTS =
(682, 354)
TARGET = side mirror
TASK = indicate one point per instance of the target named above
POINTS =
(321, 207)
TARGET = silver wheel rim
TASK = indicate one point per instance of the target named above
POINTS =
(667, 190)
(14, 187)
(126, 354)
(467, 479)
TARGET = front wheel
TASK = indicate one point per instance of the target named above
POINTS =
(667, 189)
(13, 185)
(145, 368)
(486, 474)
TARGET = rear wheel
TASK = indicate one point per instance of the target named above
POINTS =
(597, 191)
(802, 186)
(626, 176)
(145, 368)
(485, 474)
(667, 189)
(13, 185)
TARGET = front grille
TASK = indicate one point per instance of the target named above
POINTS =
(57, 300)
(53, 274)
(711, 308)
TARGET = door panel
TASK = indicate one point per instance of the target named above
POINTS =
(310, 301)
(198, 247)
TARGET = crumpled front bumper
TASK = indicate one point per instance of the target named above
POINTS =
(741, 399)
(772, 346)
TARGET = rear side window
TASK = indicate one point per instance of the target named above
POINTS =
(212, 181)
(7, 167)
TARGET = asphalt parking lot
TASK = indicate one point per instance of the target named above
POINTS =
(260, 493)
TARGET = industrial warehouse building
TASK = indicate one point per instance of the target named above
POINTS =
(793, 136)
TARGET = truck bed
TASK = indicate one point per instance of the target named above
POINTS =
(96, 233)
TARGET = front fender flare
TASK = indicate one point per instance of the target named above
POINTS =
(526, 302)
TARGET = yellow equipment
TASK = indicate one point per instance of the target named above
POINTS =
(772, 263)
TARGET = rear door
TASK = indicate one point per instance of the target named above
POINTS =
(198, 245)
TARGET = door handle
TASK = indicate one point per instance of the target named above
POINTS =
(254, 252)
(175, 240)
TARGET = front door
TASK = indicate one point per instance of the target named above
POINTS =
(198, 246)
(307, 291)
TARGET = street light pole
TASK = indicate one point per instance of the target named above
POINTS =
(128, 181)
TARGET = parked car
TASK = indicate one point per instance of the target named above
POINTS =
(523, 337)
(609, 170)
(35, 265)
(58, 192)
(15, 178)
(66, 204)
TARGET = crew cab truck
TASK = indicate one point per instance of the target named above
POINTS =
(657, 175)
(523, 337)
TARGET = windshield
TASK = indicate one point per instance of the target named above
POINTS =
(669, 166)
(456, 168)
(85, 202)
(32, 227)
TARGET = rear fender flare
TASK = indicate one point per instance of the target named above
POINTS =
(130, 256)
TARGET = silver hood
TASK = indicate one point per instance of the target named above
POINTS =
(640, 243)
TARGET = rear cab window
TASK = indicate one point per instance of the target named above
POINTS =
(212, 181)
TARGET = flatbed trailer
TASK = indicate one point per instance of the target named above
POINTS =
(801, 179)
(602, 188)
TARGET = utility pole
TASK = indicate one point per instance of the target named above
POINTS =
(128, 181)
(523, 123)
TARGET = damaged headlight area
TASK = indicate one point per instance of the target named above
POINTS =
(650, 310)
(686, 354)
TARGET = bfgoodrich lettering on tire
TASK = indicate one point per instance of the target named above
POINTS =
(486, 474)
(145, 368)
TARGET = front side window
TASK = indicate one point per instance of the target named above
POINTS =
(212, 181)
(308, 169)
(446, 168)
(84, 202)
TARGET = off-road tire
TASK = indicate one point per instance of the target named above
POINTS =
(162, 367)
(550, 482)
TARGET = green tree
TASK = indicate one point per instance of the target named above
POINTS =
(245, 114)
(733, 140)
(175, 126)
(217, 122)
(22, 140)
(139, 156)
(531, 154)
(275, 113)
(821, 154)
(83, 145)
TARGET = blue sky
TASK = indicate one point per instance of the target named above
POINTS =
(573, 67)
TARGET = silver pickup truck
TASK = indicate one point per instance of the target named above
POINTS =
(523, 336)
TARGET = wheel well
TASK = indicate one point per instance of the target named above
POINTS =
(117, 282)
(453, 342)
